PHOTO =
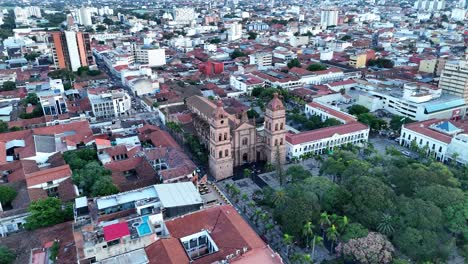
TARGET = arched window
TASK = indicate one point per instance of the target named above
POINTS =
(225, 136)
(281, 142)
(226, 153)
(281, 126)
(245, 141)
(220, 137)
(269, 126)
(220, 154)
(276, 142)
(276, 127)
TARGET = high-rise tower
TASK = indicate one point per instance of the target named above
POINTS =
(220, 160)
(275, 130)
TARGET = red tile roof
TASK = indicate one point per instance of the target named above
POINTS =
(115, 231)
(167, 251)
(317, 134)
(423, 128)
(46, 175)
(347, 118)
(227, 228)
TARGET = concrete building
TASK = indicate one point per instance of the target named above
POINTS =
(184, 15)
(454, 79)
(417, 101)
(83, 16)
(148, 55)
(235, 31)
(442, 138)
(431, 6)
(263, 60)
(110, 104)
(245, 82)
(71, 49)
(324, 140)
(329, 17)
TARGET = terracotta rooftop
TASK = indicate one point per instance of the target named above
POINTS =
(423, 128)
(347, 118)
(317, 134)
(226, 227)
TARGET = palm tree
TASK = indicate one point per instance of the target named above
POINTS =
(279, 198)
(316, 241)
(332, 234)
(229, 187)
(244, 197)
(247, 172)
(251, 204)
(307, 231)
(257, 213)
(307, 259)
(288, 240)
(324, 222)
(385, 226)
(343, 223)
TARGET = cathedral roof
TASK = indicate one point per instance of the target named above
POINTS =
(275, 103)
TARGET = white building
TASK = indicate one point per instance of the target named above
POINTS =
(458, 14)
(245, 82)
(442, 137)
(431, 6)
(110, 104)
(324, 140)
(83, 16)
(454, 78)
(150, 56)
(329, 17)
(184, 15)
(105, 11)
(416, 101)
(263, 60)
(235, 31)
(73, 51)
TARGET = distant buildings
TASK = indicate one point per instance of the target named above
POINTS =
(454, 79)
(432, 5)
(184, 15)
(71, 50)
(329, 17)
(83, 16)
(235, 31)
(263, 60)
(23, 14)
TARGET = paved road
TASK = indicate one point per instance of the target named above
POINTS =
(381, 143)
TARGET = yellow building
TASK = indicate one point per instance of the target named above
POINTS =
(358, 60)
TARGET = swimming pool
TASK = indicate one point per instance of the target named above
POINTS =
(144, 228)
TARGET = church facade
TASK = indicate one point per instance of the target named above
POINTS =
(235, 140)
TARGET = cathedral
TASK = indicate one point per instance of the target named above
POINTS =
(235, 140)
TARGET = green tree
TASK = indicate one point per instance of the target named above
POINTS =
(54, 250)
(346, 38)
(252, 35)
(364, 209)
(247, 173)
(354, 231)
(397, 121)
(357, 110)
(372, 121)
(8, 86)
(237, 53)
(307, 232)
(297, 173)
(294, 63)
(332, 235)
(6, 255)
(7, 195)
(32, 56)
(316, 67)
(3, 126)
(385, 225)
(288, 240)
(47, 212)
(31, 99)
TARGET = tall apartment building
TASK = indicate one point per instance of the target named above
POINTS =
(235, 31)
(184, 15)
(71, 49)
(149, 55)
(22, 14)
(83, 16)
(431, 6)
(329, 17)
(263, 60)
(110, 104)
(454, 78)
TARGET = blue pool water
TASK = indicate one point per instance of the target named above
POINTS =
(143, 228)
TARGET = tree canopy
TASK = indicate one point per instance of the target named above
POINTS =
(7, 194)
(47, 212)
(7, 256)
(316, 67)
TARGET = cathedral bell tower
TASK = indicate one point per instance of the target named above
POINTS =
(275, 131)
(220, 160)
